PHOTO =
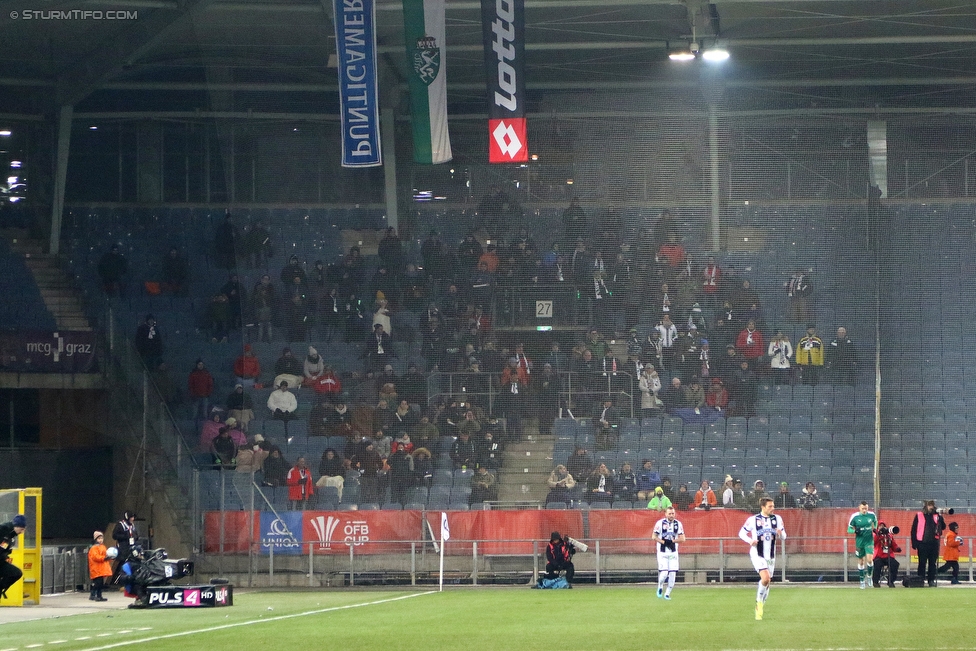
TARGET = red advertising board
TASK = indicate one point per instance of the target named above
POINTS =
(332, 532)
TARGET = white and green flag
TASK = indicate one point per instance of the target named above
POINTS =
(423, 27)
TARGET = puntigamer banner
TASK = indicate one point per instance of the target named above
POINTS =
(503, 27)
(358, 94)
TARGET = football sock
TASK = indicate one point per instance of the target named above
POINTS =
(672, 577)
(860, 573)
(761, 593)
(662, 578)
(870, 570)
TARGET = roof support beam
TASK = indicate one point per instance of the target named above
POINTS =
(134, 39)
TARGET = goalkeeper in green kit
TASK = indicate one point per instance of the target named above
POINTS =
(862, 524)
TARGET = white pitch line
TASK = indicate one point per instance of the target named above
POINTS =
(255, 621)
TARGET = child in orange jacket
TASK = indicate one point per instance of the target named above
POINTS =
(951, 554)
(99, 566)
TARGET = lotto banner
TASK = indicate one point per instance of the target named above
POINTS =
(423, 28)
(503, 29)
(333, 532)
(358, 93)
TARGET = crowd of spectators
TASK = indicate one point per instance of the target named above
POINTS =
(696, 341)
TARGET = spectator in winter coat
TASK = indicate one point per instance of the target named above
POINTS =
(810, 499)
(647, 480)
(149, 342)
(780, 352)
(99, 569)
(240, 406)
(300, 486)
(810, 355)
(288, 369)
(784, 499)
(750, 344)
(282, 404)
(247, 368)
(841, 358)
(717, 397)
(625, 484)
(483, 486)
(313, 367)
(275, 468)
(263, 303)
(210, 429)
(200, 386)
(112, 269)
(224, 449)
(704, 496)
(561, 484)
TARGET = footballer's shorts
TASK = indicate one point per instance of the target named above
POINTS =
(667, 561)
(863, 549)
(761, 563)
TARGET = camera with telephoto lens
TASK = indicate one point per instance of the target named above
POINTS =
(886, 535)
(576, 546)
(945, 511)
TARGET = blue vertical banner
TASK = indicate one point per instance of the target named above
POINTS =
(355, 22)
(283, 532)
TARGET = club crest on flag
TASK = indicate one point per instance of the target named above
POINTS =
(427, 60)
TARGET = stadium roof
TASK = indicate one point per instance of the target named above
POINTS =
(274, 55)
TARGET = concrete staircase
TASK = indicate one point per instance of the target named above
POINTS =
(526, 467)
(59, 293)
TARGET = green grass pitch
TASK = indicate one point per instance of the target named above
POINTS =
(597, 618)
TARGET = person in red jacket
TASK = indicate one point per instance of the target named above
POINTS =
(327, 383)
(559, 556)
(200, 385)
(300, 486)
(951, 554)
(247, 368)
(750, 344)
(885, 549)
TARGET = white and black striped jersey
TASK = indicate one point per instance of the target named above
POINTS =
(668, 531)
(763, 529)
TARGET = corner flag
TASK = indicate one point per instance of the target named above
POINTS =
(445, 529)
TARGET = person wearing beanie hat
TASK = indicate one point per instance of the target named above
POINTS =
(559, 557)
(125, 536)
(313, 367)
(10, 573)
(289, 369)
(660, 501)
(784, 499)
(240, 406)
(99, 567)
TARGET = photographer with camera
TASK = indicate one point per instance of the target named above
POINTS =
(668, 532)
(559, 556)
(885, 549)
(927, 528)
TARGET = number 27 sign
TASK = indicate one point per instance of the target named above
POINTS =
(543, 309)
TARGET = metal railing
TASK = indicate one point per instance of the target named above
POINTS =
(725, 560)
(578, 391)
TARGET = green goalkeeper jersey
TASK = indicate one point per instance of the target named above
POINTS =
(863, 526)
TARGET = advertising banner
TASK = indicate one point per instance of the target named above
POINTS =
(333, 532)
(423, 29)
(48, 352)
(358, 94)
(284, 533)
(503, 29)
(190, 596)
